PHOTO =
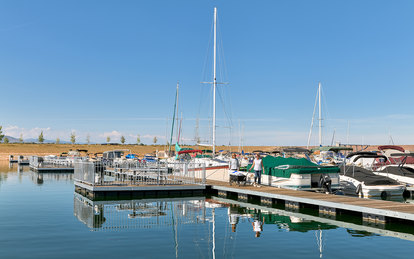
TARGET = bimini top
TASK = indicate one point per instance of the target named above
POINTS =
(362, 153)
(411, 154)
(296, 150)
(284, 167)
(332, 148)
(401, 149)
(371, 156)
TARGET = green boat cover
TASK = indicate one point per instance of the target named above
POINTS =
(203, 156)
(284, 167)
(282, 220)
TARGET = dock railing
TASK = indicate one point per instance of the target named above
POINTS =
(53, 161)
(104, 173)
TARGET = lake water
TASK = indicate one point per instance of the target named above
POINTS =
(42, 217)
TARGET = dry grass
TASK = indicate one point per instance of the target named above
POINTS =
(56, 149)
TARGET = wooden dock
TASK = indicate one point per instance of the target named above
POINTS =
(377, 211)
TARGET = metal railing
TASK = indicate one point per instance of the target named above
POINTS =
(53, 162)
(137, 173)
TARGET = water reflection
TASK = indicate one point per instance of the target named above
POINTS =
(295, 221)
(144, 213)
(40, 178)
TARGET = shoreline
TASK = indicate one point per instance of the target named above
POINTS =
(56, 149)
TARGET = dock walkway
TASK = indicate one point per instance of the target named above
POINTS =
(372, 210)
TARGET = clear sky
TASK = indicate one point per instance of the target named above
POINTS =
(110, 68)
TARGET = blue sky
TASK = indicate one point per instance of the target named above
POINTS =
(110, 68)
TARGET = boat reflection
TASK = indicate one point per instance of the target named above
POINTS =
(144, 213)
(300, 222)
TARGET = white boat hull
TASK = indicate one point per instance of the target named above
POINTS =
(304, 182)
(368, 191)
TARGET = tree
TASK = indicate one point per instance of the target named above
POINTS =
(73, 138)
(88, 139)
(108, 139)
(57, 140)
(1, 134)
(122, 139)
(41, 138)
(21, 138)
(138, 139)
(155, 140)
(6, 140)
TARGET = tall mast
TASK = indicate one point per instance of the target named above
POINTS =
(176, 112)
(214, 82)
(173, 120)
(320, 115)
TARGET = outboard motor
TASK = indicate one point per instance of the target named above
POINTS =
(325, 182)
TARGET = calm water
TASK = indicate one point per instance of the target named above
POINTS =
(42, 217)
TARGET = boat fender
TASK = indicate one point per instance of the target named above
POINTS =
(406, 194)
(384, 195)
(358, 189)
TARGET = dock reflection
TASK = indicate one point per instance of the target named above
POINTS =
(41, 178)
(143, 213)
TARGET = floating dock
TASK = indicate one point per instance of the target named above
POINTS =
(138, 191)
(377, 211)
(20, 160)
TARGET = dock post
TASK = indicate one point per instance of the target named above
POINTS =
(372, 218)
(242, 197)
(292, 205)
(266, 201)
(327, 212)
(222, 194)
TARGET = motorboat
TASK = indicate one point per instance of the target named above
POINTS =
(357, 180)
(399, 172)
(395, 155)
(299, 174)
(330, 154)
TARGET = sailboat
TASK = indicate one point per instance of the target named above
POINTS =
(216, 169)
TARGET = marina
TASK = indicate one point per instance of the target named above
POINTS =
(199, 225)
(99, 158)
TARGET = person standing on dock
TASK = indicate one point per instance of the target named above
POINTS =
(234, 163)
(258, 167)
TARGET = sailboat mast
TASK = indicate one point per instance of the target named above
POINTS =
(214, 81)
(320, 115)
(176, 112)
(173, 120)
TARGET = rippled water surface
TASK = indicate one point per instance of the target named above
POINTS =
(42, 217)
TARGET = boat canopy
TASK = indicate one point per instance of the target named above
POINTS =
(189, 151)
(207, 151)
(360, 153)
(284, 167)
(391, 147)
(296, 150)
(403, 154)
(370, 156)
(331, 148)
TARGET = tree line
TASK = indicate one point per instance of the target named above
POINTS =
(41, 138)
